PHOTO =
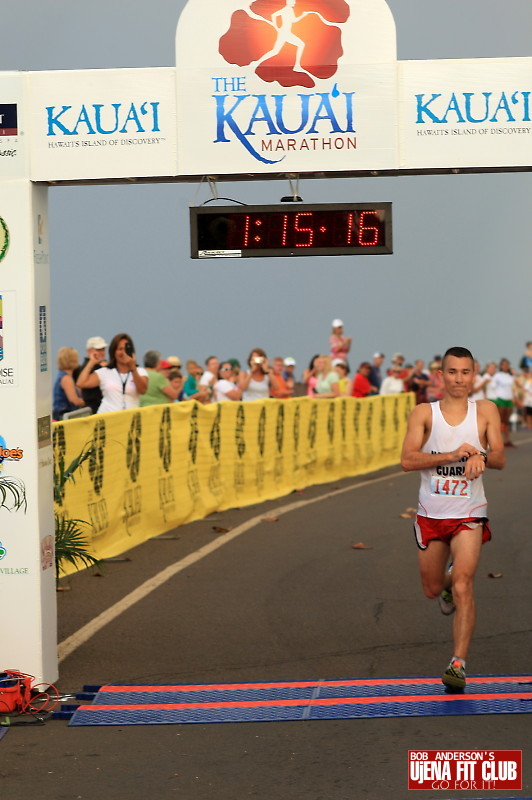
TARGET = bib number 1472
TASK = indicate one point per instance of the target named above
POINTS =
(450, 487)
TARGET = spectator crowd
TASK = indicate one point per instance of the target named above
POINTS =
(110, 379)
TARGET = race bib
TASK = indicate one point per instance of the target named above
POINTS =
(450, 487)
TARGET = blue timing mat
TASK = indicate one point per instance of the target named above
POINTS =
(303, 700)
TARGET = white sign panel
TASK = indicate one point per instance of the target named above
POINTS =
(280, 86)
(470, 113)
(103, 123)
(27, 575)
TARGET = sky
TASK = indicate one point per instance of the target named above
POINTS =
(459, 275)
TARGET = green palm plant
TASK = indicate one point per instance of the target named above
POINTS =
(71, 535)
(71, 544)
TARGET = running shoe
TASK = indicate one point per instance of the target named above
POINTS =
(445, 601)
(454, 676)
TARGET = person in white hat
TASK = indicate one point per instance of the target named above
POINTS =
(288, 372)
(96, 347)
(339, 344)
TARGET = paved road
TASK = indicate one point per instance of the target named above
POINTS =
(287, 600)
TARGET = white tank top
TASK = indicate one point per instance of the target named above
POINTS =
(445, 492)
(257, 390)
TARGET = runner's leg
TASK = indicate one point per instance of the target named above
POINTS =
(465, 551)
(432, 566)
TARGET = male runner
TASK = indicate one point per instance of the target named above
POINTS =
(452, 441)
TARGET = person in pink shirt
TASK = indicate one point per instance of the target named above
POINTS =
(339, 344)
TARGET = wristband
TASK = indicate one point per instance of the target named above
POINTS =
(484, 456)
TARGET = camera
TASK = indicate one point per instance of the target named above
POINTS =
(258, 360)
(128, 349)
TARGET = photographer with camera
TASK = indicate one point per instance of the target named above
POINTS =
(259, 380)
(121, 381)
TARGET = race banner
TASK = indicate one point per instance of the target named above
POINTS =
(269, 86)
(158, 467)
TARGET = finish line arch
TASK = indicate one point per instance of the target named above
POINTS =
(176, 125)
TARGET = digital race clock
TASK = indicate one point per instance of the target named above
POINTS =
(329, 229)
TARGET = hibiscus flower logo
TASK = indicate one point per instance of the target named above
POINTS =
(288, 41)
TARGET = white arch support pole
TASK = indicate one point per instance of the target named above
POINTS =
(28, 623)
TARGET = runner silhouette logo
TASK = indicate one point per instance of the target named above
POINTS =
(290, 42)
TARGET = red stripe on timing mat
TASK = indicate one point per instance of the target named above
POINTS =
(328, 701)
(304, 684)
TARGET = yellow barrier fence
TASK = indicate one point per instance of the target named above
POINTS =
(159, 467)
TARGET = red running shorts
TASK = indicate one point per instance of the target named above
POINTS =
(426, 529)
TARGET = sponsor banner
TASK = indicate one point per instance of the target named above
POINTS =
(467, 113)
(465, 770)
(103, 124)
(273, 86)
(183, 461)
(13, 130)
